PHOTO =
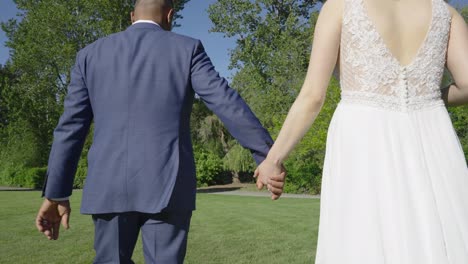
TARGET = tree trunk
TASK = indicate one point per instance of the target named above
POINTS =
(235, 177)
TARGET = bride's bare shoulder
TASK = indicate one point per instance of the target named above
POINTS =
(333, 8)
(453, 11)
(333, 4)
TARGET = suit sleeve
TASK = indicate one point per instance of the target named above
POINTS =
(228, 105)
(69, 136)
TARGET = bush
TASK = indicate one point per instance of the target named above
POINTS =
(208, 165)
(7, 175)
(23, 177)
(239, 159)
(82, 169)
(20, 147)
(80, 176)
(33, 177)
(305, 164)
(304, 176)
(459, 116)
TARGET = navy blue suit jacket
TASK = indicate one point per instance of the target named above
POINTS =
(138, 86)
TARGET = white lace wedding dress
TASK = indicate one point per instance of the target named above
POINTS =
(395, 182)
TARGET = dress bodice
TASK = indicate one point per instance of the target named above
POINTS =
(371, 75)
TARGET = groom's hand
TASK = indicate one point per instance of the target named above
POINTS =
(271, 174)
(51, 215)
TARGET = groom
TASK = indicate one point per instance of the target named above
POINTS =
(138, 86)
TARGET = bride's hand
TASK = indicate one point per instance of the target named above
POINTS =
(271, 174)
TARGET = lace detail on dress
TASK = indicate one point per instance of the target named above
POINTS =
(371, 75)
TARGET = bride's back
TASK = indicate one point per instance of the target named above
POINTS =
(402, 24)
(393, 52)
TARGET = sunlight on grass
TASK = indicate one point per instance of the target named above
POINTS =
(224, 229)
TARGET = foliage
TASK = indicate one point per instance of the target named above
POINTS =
(82, 169)
(272, 52)
(459, 115)
(18, 147)
(238, 159)
(208, 166)
(7, 175)
(305, 163)
(23, 177)
(31, 177)
(81, 173)
(271, 58)
(44, 40)
(208, 130)
(178, 6)
(273, 45)
(7, 79)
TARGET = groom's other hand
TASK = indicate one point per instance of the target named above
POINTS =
(271, 174)
(51, 215)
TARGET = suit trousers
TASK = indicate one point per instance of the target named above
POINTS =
(164, 236)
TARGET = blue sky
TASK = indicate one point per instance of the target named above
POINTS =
(195, 24)
(7, 11)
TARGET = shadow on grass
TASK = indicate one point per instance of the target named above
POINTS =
(17, 189)
(207, 190)
(227, 177)
(218, 189)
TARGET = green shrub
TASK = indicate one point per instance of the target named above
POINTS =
(304, 176)
(18, 177)
(23, 177)
(209, 165)
(34, 177)
(81, 173)
(459, 116)
(239, 159)
(21, 147)
(82, 169)
(7, 175)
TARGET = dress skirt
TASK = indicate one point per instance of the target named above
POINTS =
(394, 188)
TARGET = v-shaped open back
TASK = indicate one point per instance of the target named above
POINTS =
(394, 176)
(386, 46)
(370, 73)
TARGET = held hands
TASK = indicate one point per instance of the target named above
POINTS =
(271, 174)
(50, 215)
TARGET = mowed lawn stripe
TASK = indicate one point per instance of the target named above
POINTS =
(224, 229)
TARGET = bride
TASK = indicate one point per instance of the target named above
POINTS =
(395, 179)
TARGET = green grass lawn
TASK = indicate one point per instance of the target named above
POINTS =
(225, 229)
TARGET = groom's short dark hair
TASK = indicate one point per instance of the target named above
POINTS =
(165, 3)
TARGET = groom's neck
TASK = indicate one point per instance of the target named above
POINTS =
(159, 11)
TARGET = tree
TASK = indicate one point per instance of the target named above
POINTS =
(5, 81)
(8, 100)
(44, 40)
(44, 43)
(178, 6)
(273, 43)
(271, 58)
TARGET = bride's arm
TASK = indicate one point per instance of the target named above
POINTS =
(309, 102)
(457, 62)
